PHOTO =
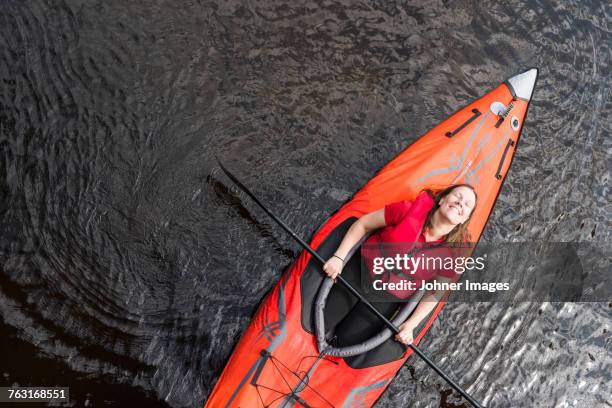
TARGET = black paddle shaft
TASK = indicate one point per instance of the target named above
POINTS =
(350, 288)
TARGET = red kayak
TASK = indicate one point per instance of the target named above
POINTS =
(277, 362)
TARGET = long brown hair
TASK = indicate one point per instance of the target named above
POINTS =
(460, 233)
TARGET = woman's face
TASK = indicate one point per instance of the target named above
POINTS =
(457, 205)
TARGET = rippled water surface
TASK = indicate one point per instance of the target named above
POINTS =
(130, 266)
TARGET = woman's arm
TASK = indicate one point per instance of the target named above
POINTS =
(358, 230)
(426, 305)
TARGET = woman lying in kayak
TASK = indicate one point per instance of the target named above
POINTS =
(431, 218)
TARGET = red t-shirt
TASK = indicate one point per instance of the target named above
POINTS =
(396, 231)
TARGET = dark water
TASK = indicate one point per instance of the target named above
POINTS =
(130, 266)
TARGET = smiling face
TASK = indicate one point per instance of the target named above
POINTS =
(457, 205)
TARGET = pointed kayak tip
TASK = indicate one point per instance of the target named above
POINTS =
(521, 85)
